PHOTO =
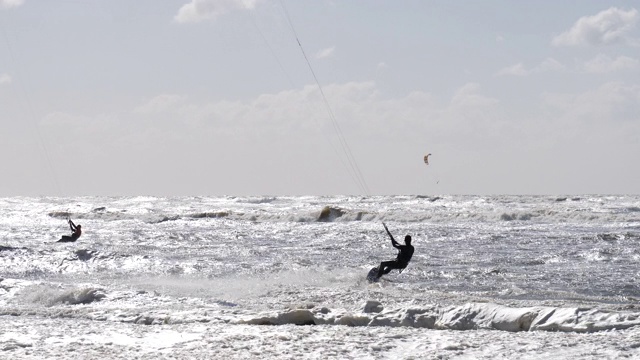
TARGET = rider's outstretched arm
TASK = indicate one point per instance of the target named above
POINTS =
(72, 225)
(393, 241)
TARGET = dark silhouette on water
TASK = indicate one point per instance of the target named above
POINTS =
(403, 258)
(77, 231)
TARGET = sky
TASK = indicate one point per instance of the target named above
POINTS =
(319, 97)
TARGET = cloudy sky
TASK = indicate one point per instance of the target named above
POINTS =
(215, 97)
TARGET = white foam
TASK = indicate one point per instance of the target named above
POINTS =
(220, 266)
(471, 316)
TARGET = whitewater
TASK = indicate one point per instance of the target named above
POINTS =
(283, 277)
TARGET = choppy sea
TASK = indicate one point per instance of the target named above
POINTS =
(527, 277)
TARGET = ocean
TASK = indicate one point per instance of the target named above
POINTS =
(283, 277)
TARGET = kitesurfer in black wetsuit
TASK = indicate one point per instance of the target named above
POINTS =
(404, 256)
(77, 231)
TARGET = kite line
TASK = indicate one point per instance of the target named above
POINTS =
(31, 114)
(355, 172)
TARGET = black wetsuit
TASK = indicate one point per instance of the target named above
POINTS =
(403, 258)
(76, 233)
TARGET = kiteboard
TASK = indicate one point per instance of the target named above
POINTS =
(372, 276)
(66, 238)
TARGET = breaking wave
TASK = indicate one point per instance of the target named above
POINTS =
(471, 316)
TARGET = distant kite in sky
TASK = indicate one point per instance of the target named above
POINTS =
(426, 159)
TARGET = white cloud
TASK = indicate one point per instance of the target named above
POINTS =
(382, 65)
(468, 95)
(356, 105)
(602, 64)
(547, 65)
(612, 101)
(92, 132)
(161, 103)
(6, 4)
(515, 70)
(325, 53)
(289, 133)
(5, 79)
(607, 27)
(200, 10)
(499, 38)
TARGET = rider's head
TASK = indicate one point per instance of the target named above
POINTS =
(79, 226)
(407, 239)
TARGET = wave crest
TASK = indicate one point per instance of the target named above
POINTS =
(471, 316)
(328, 214)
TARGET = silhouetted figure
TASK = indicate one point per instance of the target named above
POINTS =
(77, 231)
(403, 258)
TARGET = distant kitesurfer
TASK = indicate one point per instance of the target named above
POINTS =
(403, 258)
(77, 231)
